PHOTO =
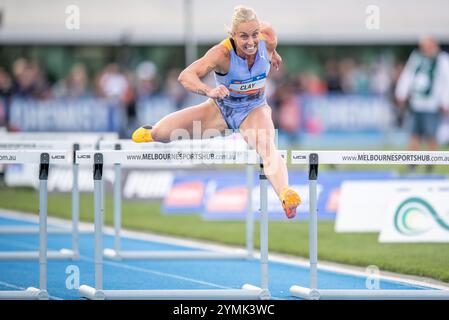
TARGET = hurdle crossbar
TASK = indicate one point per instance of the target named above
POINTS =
(313, 159)
(116, 253)
(119, 156)
(43, 159)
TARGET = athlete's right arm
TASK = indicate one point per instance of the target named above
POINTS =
(190, 77)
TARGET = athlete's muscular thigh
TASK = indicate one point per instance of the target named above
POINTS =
(258, 128)
(191, 120)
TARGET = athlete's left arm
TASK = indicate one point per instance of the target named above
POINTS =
(271, 42)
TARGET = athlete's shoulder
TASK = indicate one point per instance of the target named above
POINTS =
(225, 46)
(219, 53)
(220, 49)
(217, 57)
(226, 43)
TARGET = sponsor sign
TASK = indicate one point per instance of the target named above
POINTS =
(417, 216)
(86, 114)
(136, 184)
(186, 194)
(187, 197)
(345, 113)
(364, 204)
(228, 200)
(328, 190)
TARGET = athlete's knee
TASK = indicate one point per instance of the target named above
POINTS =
(258, 137)
(165, 135)
(265, 143)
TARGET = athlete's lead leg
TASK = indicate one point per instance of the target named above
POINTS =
(258, 131)
(206, 116)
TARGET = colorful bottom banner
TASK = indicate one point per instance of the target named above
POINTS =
(224, 196)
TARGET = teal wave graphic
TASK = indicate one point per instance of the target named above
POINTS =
(414, 207)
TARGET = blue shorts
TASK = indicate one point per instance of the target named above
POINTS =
(425, 124)
(234, 116)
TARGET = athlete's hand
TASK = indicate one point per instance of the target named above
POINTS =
(218, 93)
(276, 60)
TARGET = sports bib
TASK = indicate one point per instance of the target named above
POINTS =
(248, 86)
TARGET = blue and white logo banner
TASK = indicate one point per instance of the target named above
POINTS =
(87, 114)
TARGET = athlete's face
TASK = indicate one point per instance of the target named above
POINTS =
(246, 37)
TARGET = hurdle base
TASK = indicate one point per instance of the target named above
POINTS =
(317, 294)
(174, 255)
(248, 292)
(62, 254)
(28, 294)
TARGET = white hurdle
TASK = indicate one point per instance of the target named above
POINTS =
(69, 141)
(44, 159)
(313, 159)
(98, 159)
(117, 253)
(66, 145)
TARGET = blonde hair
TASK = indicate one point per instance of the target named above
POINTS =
(242, 14)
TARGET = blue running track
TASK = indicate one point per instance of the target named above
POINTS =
(168, 274)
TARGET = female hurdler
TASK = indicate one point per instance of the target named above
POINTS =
(241, 64)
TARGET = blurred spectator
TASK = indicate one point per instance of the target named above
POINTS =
(282, 96)
(381, 77)
(360, 79)
(29, 80)
(147, 83)
(5, 96)
(174, 89)
(5, 84)
(276, 80)
(311, 83)
(346, 70)
(116, 85)
(288, 113)
(21, 81)
(112, 83)
(332, 76)
(424, 83)
(74, 85)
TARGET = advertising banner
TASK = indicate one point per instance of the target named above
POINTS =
(230, 190)
(346, 113)
(417, 216)
(87, 114)
(364, 204)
